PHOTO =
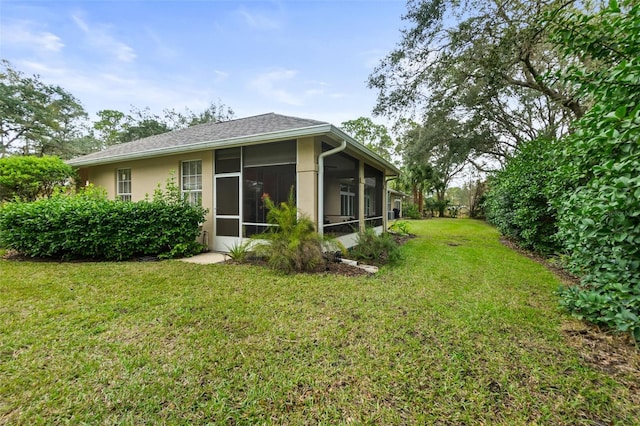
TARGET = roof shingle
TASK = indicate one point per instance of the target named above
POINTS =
(208, 132)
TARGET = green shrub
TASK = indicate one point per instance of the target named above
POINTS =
(401, 227)
(377, 248)
(293, 245)
(597, 186)
(517, 202)
(239, 252)
(411, 211)
(28, 177)
(88, 225)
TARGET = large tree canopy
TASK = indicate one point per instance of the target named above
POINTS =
(114, 127)
(488, 62)
(42, 119)
(443, 144)
(36, 118)
(374, 136)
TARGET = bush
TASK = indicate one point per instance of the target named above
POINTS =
(598, 184)
(293, 244)
(28, 178)
(517, 202)
(411, 211)
(400, 227)
(239, 252)
(373, 247)
(88, 225)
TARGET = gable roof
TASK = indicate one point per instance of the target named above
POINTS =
(259, 128)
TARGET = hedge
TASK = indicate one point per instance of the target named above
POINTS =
(89, 226)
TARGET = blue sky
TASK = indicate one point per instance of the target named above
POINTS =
(304, 58)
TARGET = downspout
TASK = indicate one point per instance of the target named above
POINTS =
(321, 157)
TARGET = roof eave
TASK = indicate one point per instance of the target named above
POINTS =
(357, 146)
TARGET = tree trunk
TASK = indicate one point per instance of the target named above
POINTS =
(441, 203)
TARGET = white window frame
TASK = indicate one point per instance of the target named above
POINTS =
(123, 176)
(347, 200)
(368, 205)
(191, 184)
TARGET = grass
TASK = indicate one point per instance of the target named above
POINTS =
(462, 331)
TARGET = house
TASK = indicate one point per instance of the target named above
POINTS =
(394, 203)
(229, 166)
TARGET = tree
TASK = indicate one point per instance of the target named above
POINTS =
(442, 144)
(142, 123)
(36, 118)
(214, 113)
(489, 62)
(114, 127)
(29, 177)
(110, 126)
(415, 177)
(374, 136)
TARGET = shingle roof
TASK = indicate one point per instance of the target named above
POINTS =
(209, 132)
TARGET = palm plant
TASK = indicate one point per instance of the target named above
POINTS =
(293, 243)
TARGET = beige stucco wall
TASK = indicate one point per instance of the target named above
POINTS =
(147, 174)
(307, 170)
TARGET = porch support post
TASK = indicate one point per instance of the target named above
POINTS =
(361, 187)
(386, 201)
(307, 177)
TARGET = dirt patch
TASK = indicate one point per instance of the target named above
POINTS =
(615, 354)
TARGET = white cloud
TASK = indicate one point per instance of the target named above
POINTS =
(220, 75)
(283, 86)
(313, 92)
(270, 84)
(163, 48)
(98, 36)
(258, 21)
(110, 90)
(21, 33)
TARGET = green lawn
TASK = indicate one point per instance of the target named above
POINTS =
(462, 331)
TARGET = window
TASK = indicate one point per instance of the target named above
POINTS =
(369, 208)
(192, 181)
(123, 178)
(347, 199)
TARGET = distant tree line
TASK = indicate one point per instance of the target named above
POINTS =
(43, 119)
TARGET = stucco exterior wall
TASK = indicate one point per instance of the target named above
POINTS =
(147, 174)
(307, 176)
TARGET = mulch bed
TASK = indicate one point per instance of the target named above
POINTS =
(339, 268)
